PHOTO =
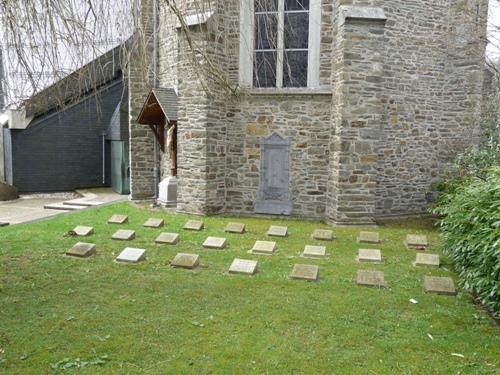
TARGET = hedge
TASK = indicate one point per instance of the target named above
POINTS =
(470, 226)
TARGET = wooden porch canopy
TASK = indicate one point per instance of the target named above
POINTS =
(159, 110)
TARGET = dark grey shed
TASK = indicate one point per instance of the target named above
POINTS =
(67, 142)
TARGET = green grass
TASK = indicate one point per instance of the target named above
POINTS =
(150, 318)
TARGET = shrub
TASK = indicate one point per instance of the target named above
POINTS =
(471, 234)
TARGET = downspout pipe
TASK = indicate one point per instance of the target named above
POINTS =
(103, 158)
(156, 169)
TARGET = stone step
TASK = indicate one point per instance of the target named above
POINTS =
(63, 207)
(81, 202)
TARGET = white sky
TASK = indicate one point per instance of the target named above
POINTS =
(493, 49)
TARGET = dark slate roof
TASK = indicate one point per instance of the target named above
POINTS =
(167, 98)
(87, 79)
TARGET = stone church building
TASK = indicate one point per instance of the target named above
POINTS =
(343, 110)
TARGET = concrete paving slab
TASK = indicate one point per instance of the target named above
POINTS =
(30, 207)
(371, 278)
(322, 235)
(154, 223)
(124, 235)
(277, 231)
(186, 260)
(243, 266)
(263, 247)
(369, 255)
(131, 255)
(83, 231)
(369, 237)
(424, 259)
(215, 243)
(439, 285)
(195, 225)
(235, 228)
(167, 238)
(82, 250)
(314, 251)
(305, 272)
(63, 207)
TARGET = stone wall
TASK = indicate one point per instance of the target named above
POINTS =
(358, 117)
(397, 100)
(141, 77)
(301, 118)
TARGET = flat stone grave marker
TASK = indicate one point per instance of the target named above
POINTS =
(83, 231)
(314, 251)
(215, 243)
(124, 235)
(416, 242)
(305, 272)
(264, 247)
(369, 255)
(371, 278)
(369, 237)
(118, 219)
(82, 250)
(439, 285)
(322, 235)
(235, 228)
(154, 223)
(277, 231)
(424, 259)
(131, 255)
(243, 266)
(3, 224)
(167, 238)
(186, 260)
(193, 225)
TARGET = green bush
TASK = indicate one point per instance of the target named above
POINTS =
(471, 232)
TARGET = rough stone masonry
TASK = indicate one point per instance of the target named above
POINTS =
(400, 88)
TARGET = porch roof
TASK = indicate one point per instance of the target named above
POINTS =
(160, 107)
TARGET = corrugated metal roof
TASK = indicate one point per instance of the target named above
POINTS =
(167, 98)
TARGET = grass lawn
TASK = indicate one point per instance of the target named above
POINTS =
(110, 318)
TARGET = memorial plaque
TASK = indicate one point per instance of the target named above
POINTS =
(369, 255)
(235, 228)
(154, 223)
(369, 237)
(277, 231)
(322, 235)
(264, 247)
(314, 251)
(118, 219)
(83, 231)
(124, 235)
(215, 243)
(424, 259)
(194, 225)
(305, 272)
(439, 285)
(371, 278)
(167, 238)
(243, 266)
(131, 255)
(274, 195)
(416, 242)
(186, 260)
(82, 250)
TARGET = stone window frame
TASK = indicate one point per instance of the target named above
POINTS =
(246, 53)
